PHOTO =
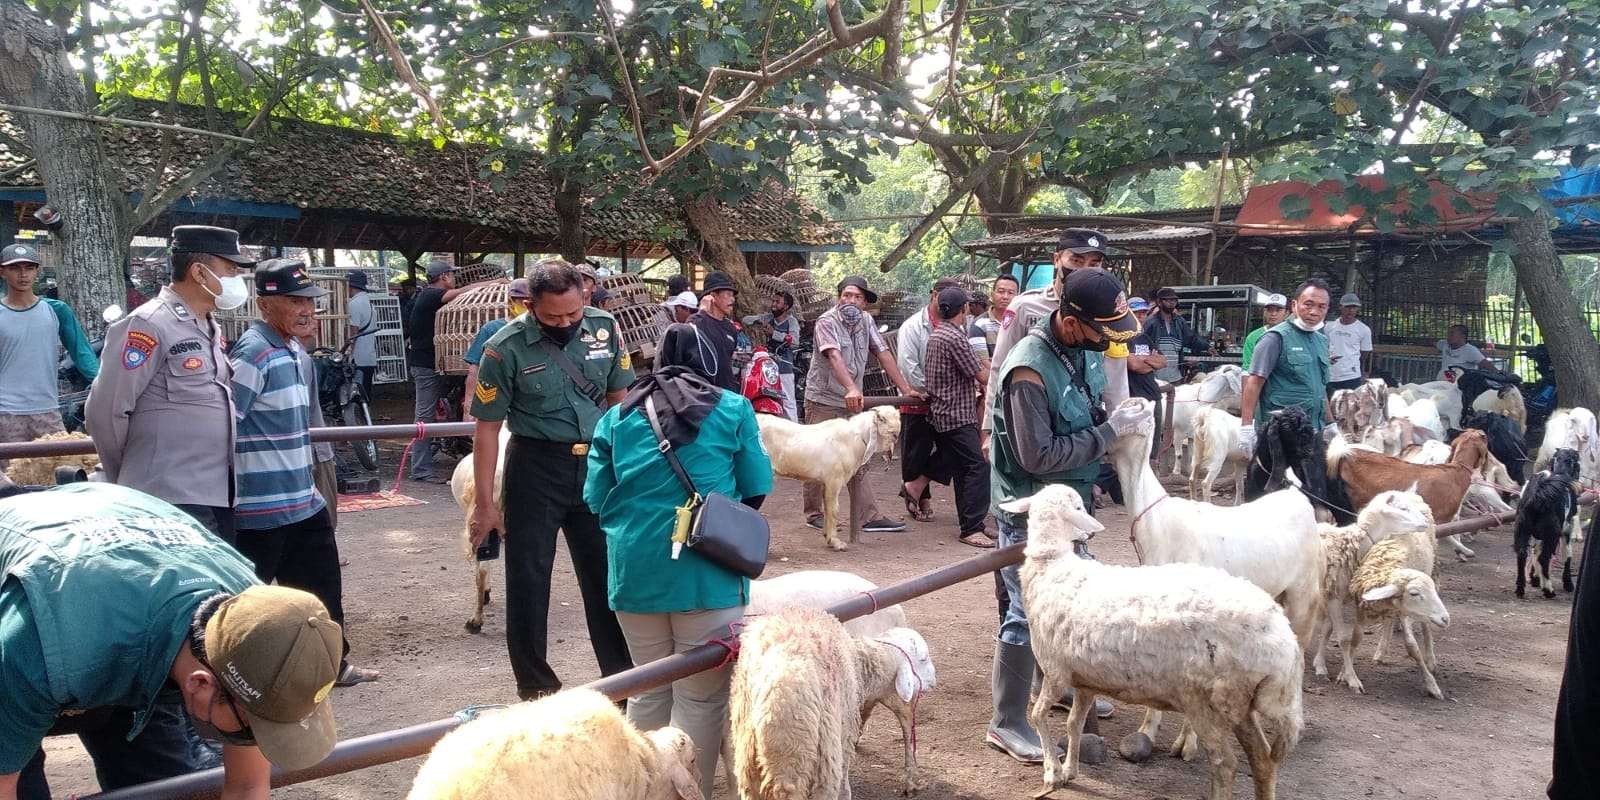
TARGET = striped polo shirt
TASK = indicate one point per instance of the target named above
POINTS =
(273, 456)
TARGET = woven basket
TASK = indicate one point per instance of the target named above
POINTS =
(332, 314)
(479, 272)
(627, 289)
(874, 381)
(813, 302)
(459, 320)
(893, 308)
(638, 326)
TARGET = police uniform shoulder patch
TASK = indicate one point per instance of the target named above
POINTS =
(486, 393)
(136, 353)
(1006, 320)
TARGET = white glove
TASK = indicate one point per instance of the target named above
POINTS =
(1247, 437)
(1125, 419)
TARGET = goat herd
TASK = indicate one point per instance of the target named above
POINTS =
(1214, 623)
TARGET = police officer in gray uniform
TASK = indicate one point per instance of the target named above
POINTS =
(161, 412)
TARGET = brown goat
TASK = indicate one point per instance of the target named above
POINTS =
(1367, 474)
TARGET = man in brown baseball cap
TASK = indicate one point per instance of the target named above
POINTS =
(126, 622)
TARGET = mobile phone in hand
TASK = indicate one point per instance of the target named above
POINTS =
(490, 549)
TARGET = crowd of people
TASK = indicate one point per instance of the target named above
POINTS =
(148, 595)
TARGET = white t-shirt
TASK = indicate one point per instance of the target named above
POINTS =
(1466, 355)
(1346, 343)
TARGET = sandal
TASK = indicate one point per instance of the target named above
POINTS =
(979, 539)
(914, 506)
(352, 675)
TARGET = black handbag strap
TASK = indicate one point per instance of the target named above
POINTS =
(585, 386)
(665, 447)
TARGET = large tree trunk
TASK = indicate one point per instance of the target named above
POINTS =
(720, 250)
(1572, 345)
(569, 211)
(91, 247)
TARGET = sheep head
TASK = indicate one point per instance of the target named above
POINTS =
(1223, 384)
(1565, 464)
(1397, 512)
(1417, 595)
(913, 677)
(1056, 515)
(677, 778)
(886, 428)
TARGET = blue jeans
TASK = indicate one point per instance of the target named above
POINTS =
(167, 747)
(1014, 623)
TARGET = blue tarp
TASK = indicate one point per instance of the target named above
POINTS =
(1574, 182)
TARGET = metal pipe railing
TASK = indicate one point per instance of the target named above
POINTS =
(396, 745)
(353, 433)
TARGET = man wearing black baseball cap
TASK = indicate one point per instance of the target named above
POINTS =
(33, 330)
(1049, 427)
(284, 524)
(420, 358)
(1173, 335)
(161, 410)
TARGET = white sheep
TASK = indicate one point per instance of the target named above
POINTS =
(574, 744)
(1394, 582)
(1216, 446)
(1221, 388)
(820, 588)
(1386, 515)
(1180, 637)
(1427, 418)
(829, 453)
(1445, 394)
(1506, 402)
(1271, 541)
(462, 487)
(799, 687)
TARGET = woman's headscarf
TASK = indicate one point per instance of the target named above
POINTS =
(684, 395)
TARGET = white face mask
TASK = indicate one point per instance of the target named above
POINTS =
(1301, 324)
(234, 291)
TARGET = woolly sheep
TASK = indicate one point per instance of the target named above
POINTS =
(829, 453)
(1394, 582)
(795, 704)
(462, 487)
(41, 470)
(1271, 541)
(821, 588)
(1179, 637)
(1387, 514)
(574, 744)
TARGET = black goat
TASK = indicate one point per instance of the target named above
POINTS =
(1505, 443)
(1288, 442)
(1549, 501)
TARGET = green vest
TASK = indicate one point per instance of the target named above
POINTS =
(1300, 377)
(112, 577)
(1069, 415)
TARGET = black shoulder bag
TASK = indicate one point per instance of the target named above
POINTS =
(728, 533)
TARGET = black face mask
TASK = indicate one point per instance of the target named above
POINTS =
(561, 334)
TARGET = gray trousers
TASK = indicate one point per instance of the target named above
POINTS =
(698, 704)
(428, 383)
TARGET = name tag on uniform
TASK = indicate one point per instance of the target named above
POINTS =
(533, 369)
(594, 354)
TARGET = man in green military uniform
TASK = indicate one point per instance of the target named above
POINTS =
(1049, 427)
(549, 374)
(1289, 366)
(120, 615)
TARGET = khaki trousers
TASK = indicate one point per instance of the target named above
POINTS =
(698, 704)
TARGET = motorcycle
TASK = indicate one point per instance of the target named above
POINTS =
(342, 399)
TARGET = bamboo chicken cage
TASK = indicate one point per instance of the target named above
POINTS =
(459, 320)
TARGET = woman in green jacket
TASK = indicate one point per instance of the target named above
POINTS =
(668, 605)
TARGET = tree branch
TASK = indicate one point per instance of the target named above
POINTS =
(627, 85)
(928, 222)
(402, 68)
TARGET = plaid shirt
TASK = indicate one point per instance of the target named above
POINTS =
(952, 371)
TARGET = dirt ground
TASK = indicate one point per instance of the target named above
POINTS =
(408, 590)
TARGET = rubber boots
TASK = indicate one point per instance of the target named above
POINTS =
(1012, 683)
